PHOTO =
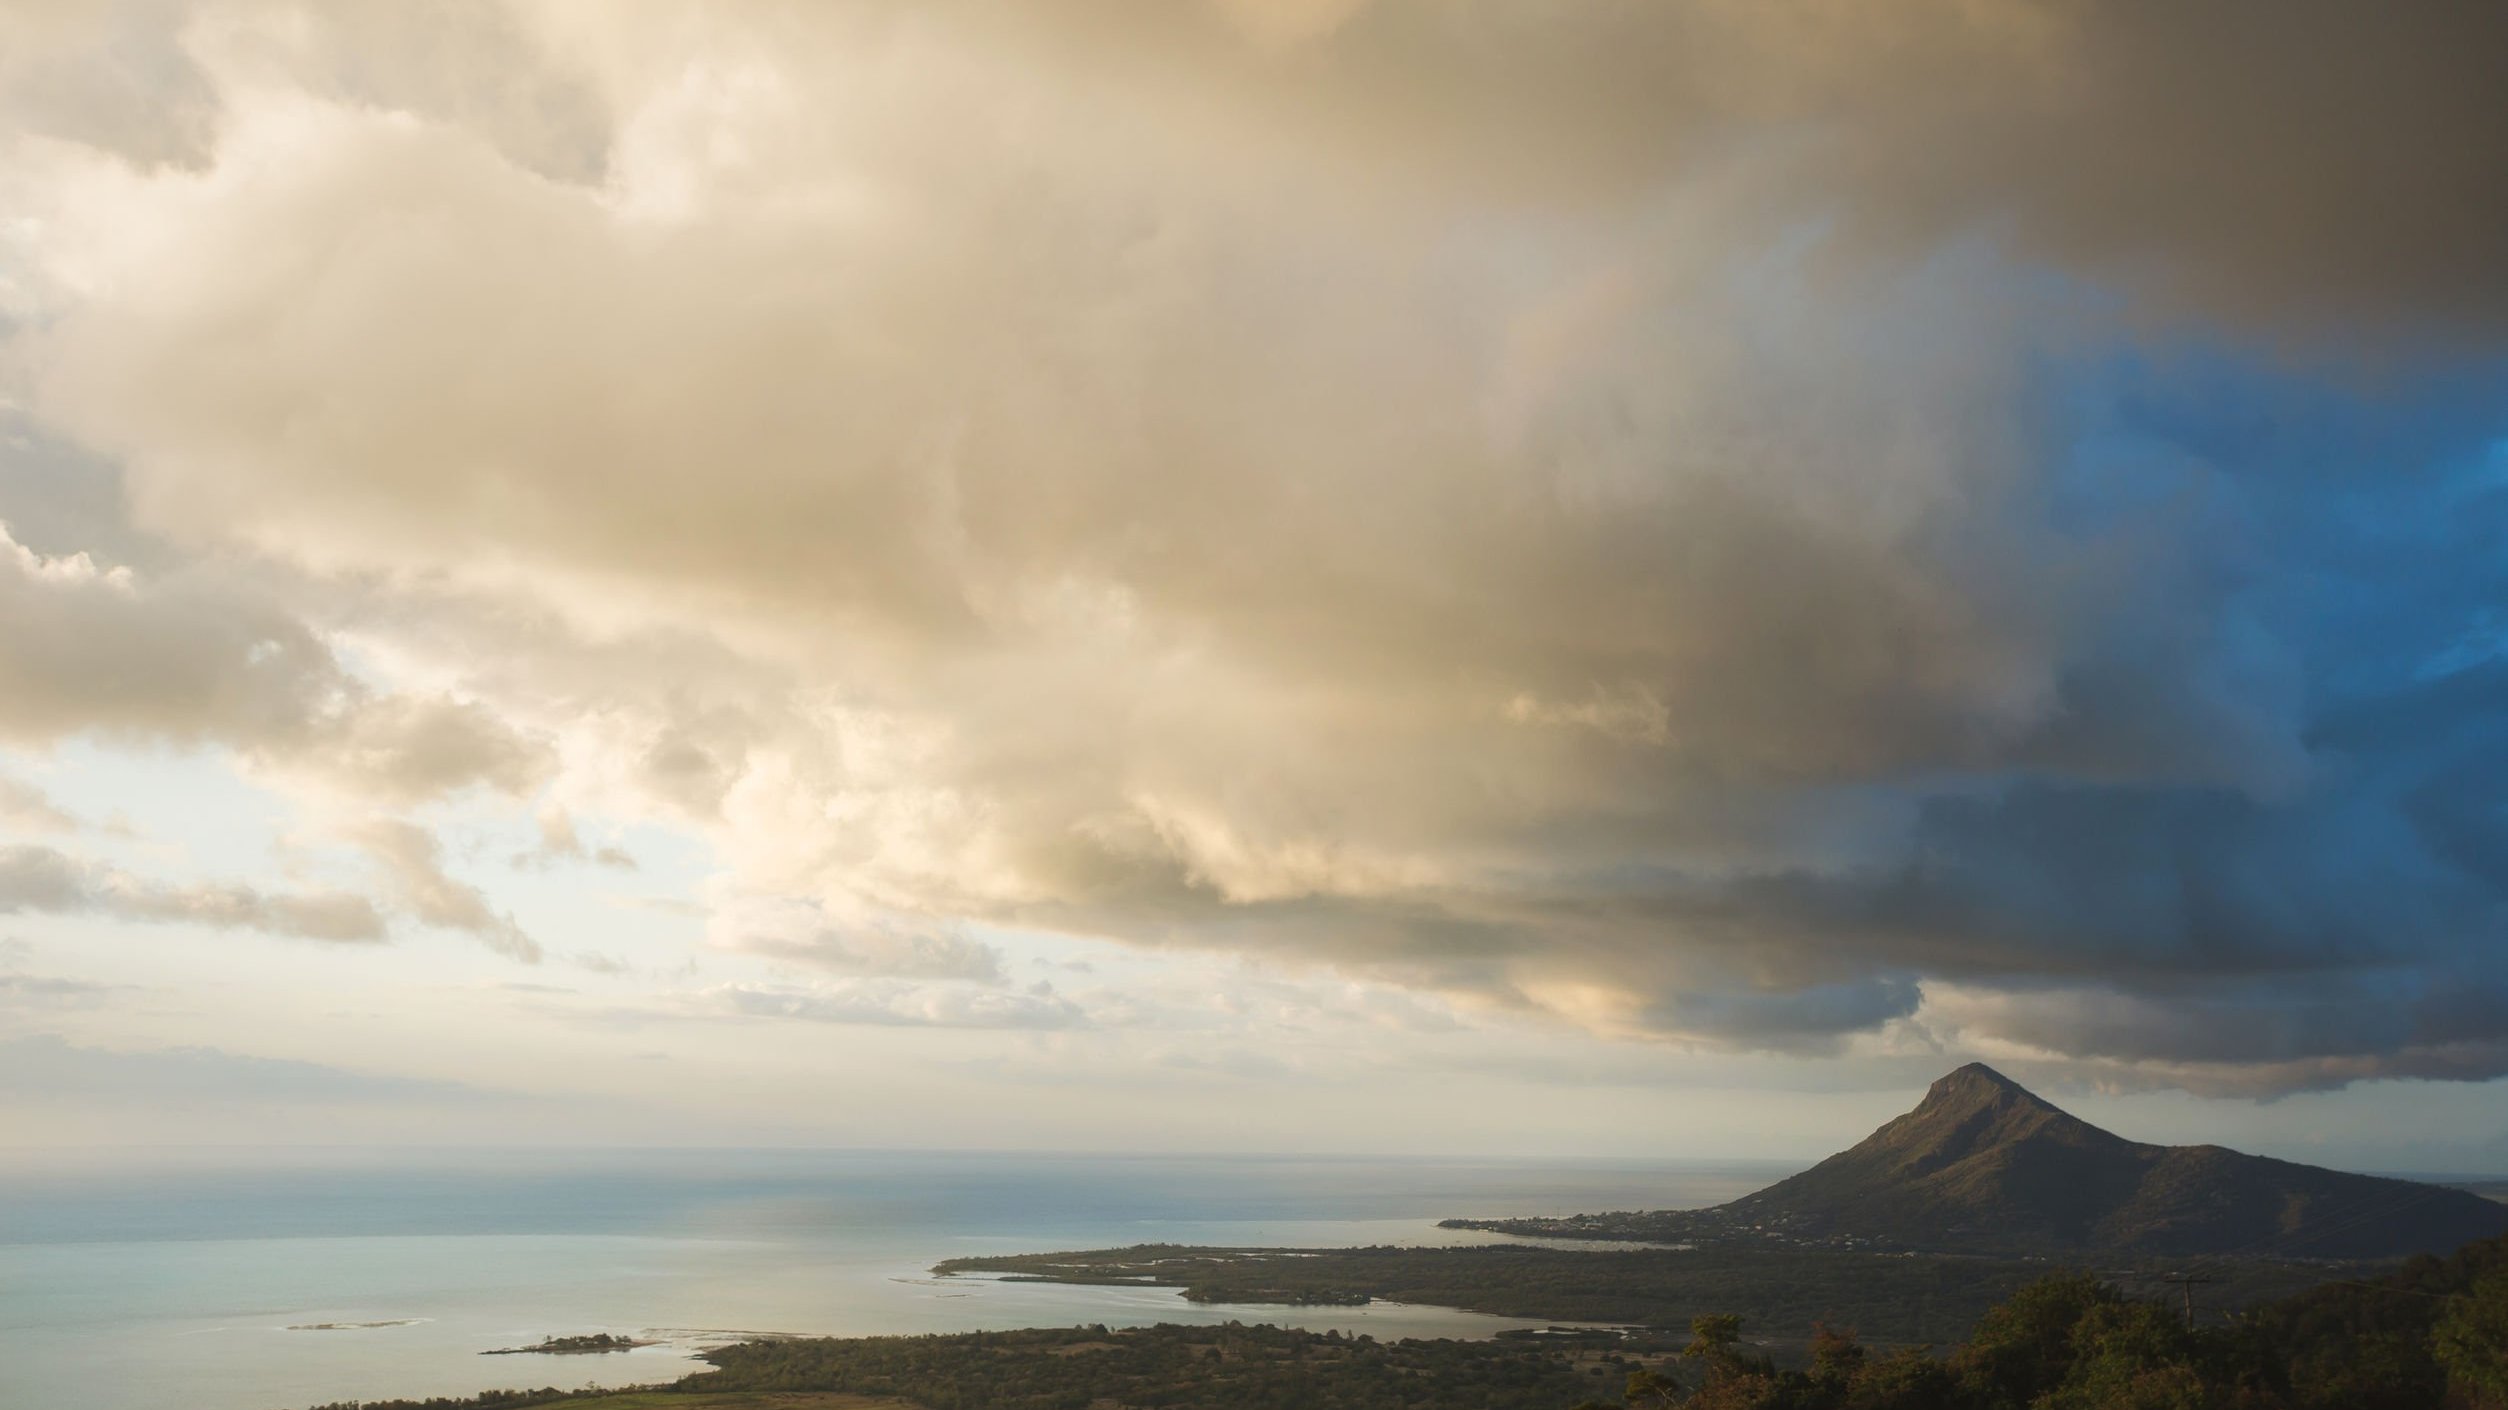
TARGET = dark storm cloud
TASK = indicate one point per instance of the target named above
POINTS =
(2313, 166)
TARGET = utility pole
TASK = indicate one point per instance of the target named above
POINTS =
(2188, 1283)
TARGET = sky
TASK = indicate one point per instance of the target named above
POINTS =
(1393, 576)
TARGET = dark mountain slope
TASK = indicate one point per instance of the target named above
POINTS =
(1984, 1164)
(1979, 1157)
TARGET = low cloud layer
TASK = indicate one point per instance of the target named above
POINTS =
(38, 991)
(805, 933)
(1755, 526)
(895, 1005)
(44, 881)
(44, 1070)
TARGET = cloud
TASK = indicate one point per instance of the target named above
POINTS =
(2291, 162)
(1234, 1063)
(35, 991)
(807, 933)
(113, 75)
(559, 842)
(411, 860)
(43, 880)
(50, 1069)
(1675, 519)
(90, 649)
(134, 77)
(2292, 165)
(25, 808)
(2256, 1039)
(889, 1004)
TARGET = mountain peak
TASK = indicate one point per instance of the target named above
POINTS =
(1977, 1085)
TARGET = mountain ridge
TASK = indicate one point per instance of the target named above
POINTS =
(1983, 1164)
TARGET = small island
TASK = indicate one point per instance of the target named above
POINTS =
(593, 1345)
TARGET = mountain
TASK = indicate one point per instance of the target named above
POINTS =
(1984, 1164)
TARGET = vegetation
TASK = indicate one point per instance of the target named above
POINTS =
(1230, 1367)
(650, 1398)
(2073, 1343)
(485, 1400)
(1892, 1298)
(741, 1401)
(2394, 1343)
(594, 1344)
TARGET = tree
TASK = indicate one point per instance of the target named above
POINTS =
(2131, 1356)
(1836, 1358)
(1652, 1390)
(1907, 1379)
(2023, 1348)
(1735, 1380)
(2471, 1340)
(1715, 1341)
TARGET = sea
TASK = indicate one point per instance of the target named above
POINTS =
(207, 1280)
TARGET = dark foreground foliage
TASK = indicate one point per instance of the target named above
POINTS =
(2432, 1337)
